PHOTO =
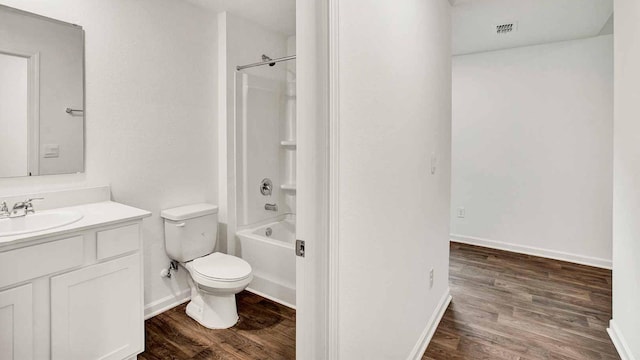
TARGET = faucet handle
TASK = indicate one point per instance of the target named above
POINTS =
(28, 204)
(3, 207)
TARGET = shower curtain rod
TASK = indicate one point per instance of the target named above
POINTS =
(268, 62)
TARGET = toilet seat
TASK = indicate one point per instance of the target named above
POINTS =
(219, 267)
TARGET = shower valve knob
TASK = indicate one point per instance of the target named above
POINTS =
(266, 187)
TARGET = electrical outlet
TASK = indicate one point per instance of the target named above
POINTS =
(461, 212)
(431, 278)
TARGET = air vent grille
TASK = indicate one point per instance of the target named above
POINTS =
(506, 28)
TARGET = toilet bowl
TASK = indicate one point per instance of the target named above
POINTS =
(215, 278)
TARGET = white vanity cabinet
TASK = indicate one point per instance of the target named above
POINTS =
(95, 311)
(77, 295)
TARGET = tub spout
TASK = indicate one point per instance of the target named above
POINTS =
(271, 207)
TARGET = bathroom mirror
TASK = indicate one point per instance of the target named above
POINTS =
(41, 95)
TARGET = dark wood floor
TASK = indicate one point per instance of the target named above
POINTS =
(512, 306)
(505, 306)
(266, 330)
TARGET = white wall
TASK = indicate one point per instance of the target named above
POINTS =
(395, 111)
(532, 149)
(241, 42)
(626, 166)
(13, 116)
(151, 113)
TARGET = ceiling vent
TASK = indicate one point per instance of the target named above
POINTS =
(506, 28)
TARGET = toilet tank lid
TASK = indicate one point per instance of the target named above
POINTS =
(189, 212)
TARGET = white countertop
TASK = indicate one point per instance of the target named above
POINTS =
(94, 215)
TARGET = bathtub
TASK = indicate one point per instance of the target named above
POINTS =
(270, 251)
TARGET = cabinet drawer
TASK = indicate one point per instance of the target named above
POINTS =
(38, 260)
(117, 241)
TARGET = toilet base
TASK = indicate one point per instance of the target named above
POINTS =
(213, 311)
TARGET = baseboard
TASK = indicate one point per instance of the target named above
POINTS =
(281, 302)
(169, 302)
(425, 338)
(530, 250)
(273, 290)
(159, 306)
(619, 342)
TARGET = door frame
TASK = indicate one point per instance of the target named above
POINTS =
(317, 217)
(33, 105)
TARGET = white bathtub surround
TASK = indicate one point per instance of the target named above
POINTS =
(265, 143)
(532, 149)
(261, 144)
(260, 122)
(626, 181)
(242, 42)
(269, 248)
(74, 291)
(288, 132)
(191, 233)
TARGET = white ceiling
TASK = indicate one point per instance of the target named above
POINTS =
(275, 15)
(538, 22)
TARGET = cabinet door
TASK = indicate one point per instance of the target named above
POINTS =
(96, 312)
(16, 323)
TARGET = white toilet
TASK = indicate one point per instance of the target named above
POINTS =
(190, 234)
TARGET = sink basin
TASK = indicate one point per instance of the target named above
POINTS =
(37, 222)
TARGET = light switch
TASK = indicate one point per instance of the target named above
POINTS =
(51, 151)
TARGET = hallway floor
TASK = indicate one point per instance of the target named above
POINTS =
(266, 330)
(505, 306)
(513, 306)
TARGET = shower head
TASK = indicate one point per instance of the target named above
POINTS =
(265, 58)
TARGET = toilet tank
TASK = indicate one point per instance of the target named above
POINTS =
(190, 231)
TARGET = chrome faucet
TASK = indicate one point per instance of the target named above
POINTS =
(23, 208)
(271, 207)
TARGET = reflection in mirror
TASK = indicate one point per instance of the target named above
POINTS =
(13, 115)
(41, 95)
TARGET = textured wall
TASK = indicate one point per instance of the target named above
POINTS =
(395, 114)
(150, 113)
(532, 149)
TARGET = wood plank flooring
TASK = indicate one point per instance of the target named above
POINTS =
(513, 306)
(266, 330)
(505, 306)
